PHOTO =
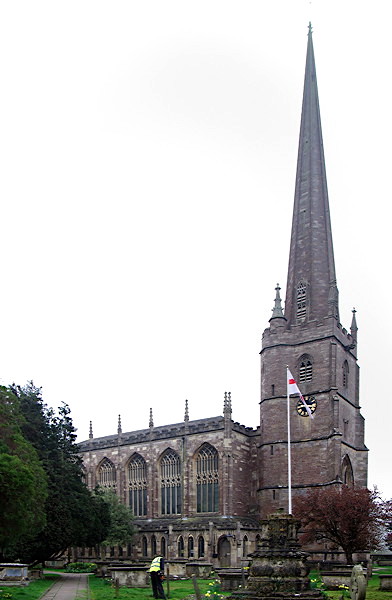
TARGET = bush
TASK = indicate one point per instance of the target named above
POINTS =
(81, 567)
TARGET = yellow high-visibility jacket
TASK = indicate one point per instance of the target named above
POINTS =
(156, 564)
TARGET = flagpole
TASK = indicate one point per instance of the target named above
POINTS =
(288, 440)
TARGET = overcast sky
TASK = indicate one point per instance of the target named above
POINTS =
(148, 154)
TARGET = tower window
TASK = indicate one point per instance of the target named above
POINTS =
(345, 374)
(305, 370)
(301, 301)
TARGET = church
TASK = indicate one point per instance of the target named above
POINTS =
(199, 488)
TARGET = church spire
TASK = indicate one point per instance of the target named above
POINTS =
(311, 292)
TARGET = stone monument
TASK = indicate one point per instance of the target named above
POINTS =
(278, 568)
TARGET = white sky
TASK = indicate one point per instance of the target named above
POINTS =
(148, 154)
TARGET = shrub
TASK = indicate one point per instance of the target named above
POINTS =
(81, 567)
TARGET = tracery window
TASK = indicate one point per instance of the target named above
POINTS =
(305, 369)
(107, 474)
(137, 482)
(207, 479)
(171, 488)
(301, 301)
(345, 374)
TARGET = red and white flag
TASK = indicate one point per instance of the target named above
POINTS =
(292, 388)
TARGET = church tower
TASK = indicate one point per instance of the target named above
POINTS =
(308, 337)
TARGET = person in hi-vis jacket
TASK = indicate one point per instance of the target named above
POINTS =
(156, 574)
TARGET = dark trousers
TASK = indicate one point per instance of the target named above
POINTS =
(156, 583)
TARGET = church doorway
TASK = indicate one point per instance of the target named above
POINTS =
(224, 552)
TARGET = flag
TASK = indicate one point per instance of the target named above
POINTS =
(292, 388)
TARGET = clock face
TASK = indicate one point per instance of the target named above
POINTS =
(312, 404)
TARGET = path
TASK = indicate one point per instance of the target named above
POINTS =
(69, 587)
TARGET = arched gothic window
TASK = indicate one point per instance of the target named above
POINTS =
(163, 546)
(191, 547)
(180, 546)
(345, 374)
(200, 547)
(347, 471)
(137, 483)
(83, 474)
(171, 483)
(245, 547)
(207, 481)
(107, 474)
(144, 546)
(153, 545)
(301, 301)
(305, 369)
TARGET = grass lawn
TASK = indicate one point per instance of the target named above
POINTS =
(103, 590)
(33, 591)
(372, 591)
(179, 590)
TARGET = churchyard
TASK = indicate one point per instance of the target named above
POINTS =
(102, 589)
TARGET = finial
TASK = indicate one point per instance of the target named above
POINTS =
(119, 430)
(354, 327)
(310, 30)
(277, 311)
(90, 435)
(227, 404)
(186, 417)
(151, 422)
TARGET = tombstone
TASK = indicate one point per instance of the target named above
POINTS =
(131, 576)
(13, 574)
(357, 583)
(202, 570)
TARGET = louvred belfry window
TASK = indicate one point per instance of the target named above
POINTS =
(305, 370)
(207, 479)
(301, 301)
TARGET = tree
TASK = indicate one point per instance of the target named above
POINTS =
(74, 516)
(23, 482)
(353, 518)
(121, 527)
